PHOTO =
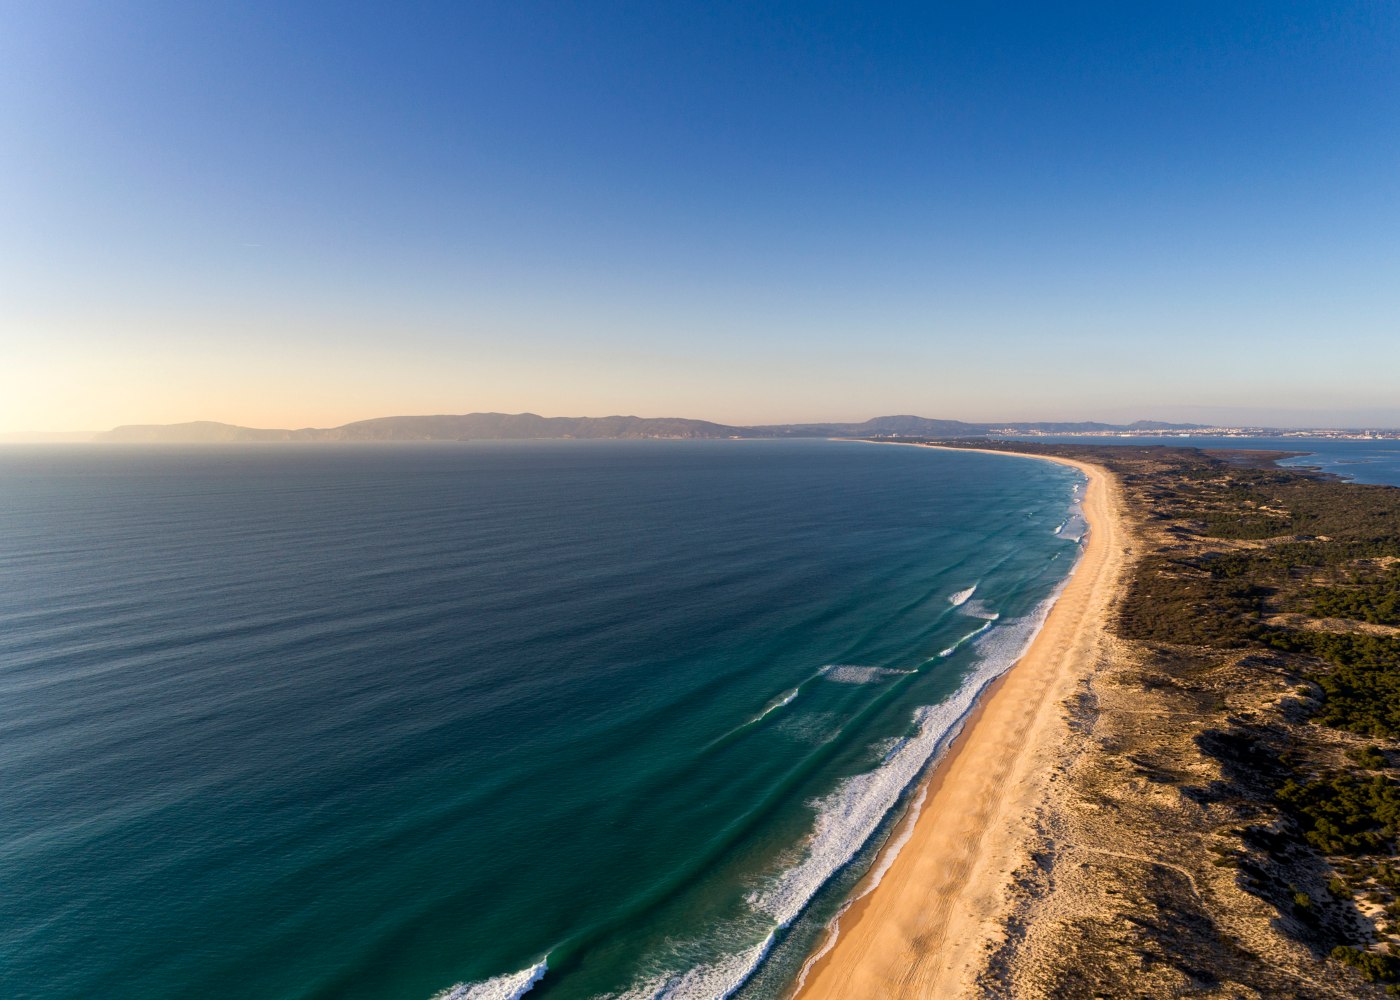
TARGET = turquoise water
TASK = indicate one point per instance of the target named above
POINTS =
(622, 719)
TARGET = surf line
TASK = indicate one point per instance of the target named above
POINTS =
(782, 701)
(786, 699)
(960, 598)
(967, 638)
(511, 986)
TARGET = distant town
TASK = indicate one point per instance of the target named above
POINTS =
(1329, 434)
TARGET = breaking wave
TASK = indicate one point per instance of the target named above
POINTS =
(786, 699)
(968, 638)
(508, 987)
(713, 981)
(846, 673)
(960, 598)
(979, 609)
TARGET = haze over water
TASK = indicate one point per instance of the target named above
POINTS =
(374, 722)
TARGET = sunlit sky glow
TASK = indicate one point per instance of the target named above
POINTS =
(300, 214)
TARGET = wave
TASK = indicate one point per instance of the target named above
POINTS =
(1075, 527)
(786, 699)
(980, 609)
(713, 981)
(849, 673)
(512, 986)
(782, 700)
(889, 748)
(969, 637)
(850, 815)
(847, 817)
(960, 598)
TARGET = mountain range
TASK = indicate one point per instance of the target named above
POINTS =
(530, 426)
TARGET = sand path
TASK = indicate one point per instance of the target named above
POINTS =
(925, 930)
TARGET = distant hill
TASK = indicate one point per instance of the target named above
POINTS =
(48, 437)
(531, 426)
(441, 427)
(904, 426)
(527, 426)
(201, 432)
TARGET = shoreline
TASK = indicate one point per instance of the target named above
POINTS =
(925, 928)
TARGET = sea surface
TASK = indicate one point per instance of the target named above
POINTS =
(588, 719)
(1373, 462)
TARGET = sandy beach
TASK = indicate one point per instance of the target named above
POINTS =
(925, 931)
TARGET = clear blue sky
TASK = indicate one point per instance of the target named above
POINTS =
(302, 214)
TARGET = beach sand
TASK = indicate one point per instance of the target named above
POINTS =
(926, 930)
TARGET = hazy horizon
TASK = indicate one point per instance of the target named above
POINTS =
(301, 217)
(1226, 421)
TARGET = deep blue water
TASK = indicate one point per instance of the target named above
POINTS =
(302, 722)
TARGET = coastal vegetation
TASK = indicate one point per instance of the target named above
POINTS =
(1261, 628)
(1376, 601)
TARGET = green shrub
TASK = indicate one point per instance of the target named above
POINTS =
(1368, 757)
(1362, 690)
(1376, 601)
(1373, 966)
(1343, 814)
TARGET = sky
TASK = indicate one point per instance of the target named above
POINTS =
(288, 215)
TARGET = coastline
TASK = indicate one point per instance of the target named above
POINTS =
(926, 928)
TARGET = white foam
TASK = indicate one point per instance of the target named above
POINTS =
(969, 637)
(889, 748)
(715, 981)
(848, 673)
(508, 987)
(891, 851)
(772, 707)
(784, 700)
(848, 816)
(979, 609)
(960, 598)
(872, 882)
(1075, 527)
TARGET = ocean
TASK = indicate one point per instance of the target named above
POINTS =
(583, 719)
